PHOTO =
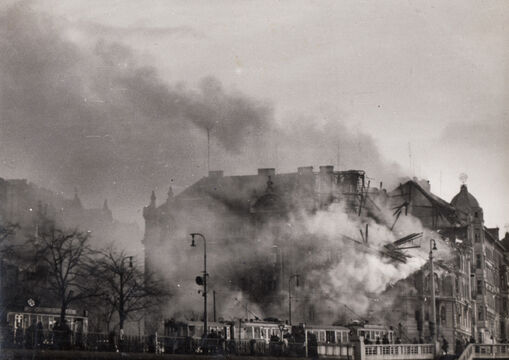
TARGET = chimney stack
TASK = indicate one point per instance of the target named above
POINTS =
(267, 172)
(326, 169)
(305, 170)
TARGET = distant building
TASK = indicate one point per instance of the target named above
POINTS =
(33, 209)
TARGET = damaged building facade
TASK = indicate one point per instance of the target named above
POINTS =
(257, 217)
(471, 290)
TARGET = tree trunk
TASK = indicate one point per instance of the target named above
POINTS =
(122, 319)
(63, 309)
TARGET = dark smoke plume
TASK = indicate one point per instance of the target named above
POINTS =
(97, 117)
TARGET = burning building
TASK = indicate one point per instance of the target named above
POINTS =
(332, 248)
(271, 232)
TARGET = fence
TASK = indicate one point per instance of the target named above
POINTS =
(68, 340)
(399, 351)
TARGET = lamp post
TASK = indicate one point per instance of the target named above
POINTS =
(193, 235)
(433, 246)
(296, 276)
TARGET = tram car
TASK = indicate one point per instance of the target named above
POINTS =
(373, 334)
(20, 321)
(328, 334)
(38, 325)
(258, 330)
(239, 336)
(184, 337)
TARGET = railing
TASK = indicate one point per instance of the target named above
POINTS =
(483, 351)
(331, 350)
(468, 353)
(399, 351)
(494, 351)
(99, 342)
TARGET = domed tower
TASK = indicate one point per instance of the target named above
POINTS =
(467, 206)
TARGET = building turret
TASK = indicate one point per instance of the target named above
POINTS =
(467, 205)
(76, 202)
(106, 210)
(150, 215)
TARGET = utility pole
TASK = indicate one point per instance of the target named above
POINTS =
(214, 302)
(204, 279)
(296, 276)
(208, 150)
(433, 246)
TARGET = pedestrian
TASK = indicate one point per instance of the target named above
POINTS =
(445, 345)
(459, 347)
(39, 334)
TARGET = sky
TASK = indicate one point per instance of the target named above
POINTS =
(400, 88)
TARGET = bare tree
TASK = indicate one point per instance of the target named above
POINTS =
(66, 256)
(126, 288)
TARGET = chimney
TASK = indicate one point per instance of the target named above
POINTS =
(305, 170)
(326, 169)
(216, 173)
(267, 172)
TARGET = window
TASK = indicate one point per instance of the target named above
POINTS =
(476, 214)
(477, 237)
(322, 336)
(442, 315)
(338, 336)
(330, 336)
(479, 287)
(480, 316)
(478, 260)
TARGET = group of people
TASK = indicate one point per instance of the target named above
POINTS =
(384, 341)
(35, 337)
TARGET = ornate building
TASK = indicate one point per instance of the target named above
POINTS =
(471, 288)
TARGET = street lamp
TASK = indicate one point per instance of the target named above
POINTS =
(296, 276)
(193, 244)
(433, 246)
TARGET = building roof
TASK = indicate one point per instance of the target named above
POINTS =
(464, 199)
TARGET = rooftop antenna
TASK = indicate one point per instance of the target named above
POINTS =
(338, 157)
(410, 158)
(208, 150)
(440, 182)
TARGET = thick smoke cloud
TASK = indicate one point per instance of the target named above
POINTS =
(341, 279)
(95, 118)
(94, 115)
